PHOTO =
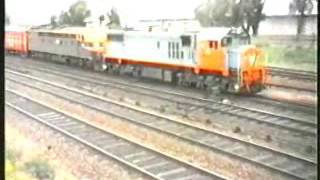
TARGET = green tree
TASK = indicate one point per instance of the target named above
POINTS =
(302, 7)
(76, 14)
(101, 19)
(114, 19)
(53, 21)
(231, 13)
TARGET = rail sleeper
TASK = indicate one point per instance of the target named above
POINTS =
(171, 168)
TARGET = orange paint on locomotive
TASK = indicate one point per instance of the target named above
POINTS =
(211, 59)
(253, 67)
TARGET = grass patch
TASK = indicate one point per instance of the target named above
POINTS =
(302, 59)
(288, 54)
(18, 169)
(39, 169)
(11, 155)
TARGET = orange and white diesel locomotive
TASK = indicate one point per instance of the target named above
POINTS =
(210, 57)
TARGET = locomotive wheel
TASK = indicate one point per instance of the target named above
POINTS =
(223, 87)
(68, 62)
(99, 66)
(81, 63)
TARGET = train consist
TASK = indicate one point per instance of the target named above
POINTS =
(208, 58)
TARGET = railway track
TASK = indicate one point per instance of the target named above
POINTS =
(297, 75)
(149, 162)
(290, 87)
(60, 68)
(190, 104)
(278, 104)
(277, 162)
(290, 73)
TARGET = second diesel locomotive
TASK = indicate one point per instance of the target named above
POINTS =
(210, 57)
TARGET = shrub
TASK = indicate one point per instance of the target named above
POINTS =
(40, 169)
(10, 168)
(11, 155)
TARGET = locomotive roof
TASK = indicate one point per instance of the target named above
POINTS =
(70, 30)
(204, 33)
(212, 33)
(17, 28)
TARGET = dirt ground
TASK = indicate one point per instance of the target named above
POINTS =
(68, 159)
(26, 150)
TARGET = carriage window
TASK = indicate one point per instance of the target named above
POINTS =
(181, 54)
(186, 40)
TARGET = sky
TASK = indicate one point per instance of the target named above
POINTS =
(38, 12)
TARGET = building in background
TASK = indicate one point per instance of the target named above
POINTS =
(287, 25)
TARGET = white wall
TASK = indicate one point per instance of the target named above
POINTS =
(286, 25)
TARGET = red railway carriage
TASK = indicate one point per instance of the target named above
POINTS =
(16, 40)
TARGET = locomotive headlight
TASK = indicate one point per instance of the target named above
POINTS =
(236, 87)
(104, 66)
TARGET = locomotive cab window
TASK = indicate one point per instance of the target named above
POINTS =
(226, 41)
(241, 41)
(115, 37)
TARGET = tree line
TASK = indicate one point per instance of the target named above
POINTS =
(246, 14)
(79, 12)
